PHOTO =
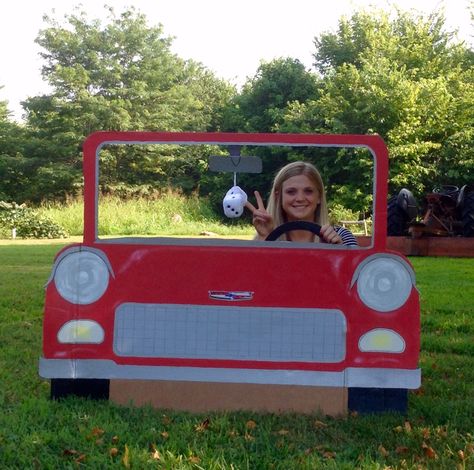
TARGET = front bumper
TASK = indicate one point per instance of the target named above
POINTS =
(350, 377)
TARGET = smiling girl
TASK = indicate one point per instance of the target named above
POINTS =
(297, 195)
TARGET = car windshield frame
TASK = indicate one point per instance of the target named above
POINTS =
(96, 141)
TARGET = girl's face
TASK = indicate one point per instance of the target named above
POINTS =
(299, 198)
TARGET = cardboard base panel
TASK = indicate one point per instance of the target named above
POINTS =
(201, 397)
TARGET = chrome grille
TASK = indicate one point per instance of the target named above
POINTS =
(228, 332)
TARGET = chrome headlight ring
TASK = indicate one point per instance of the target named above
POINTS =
(384, 282)
(81, 275)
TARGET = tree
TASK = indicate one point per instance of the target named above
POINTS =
(417, 42)
(405, 79)
(13, 165)
(264, 98)
(120, 75)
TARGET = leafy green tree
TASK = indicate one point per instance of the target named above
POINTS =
(405, 79)
(13, 165)
(264, 98)
(419, 43)
(120, 75)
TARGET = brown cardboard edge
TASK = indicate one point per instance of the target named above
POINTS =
(198, 397)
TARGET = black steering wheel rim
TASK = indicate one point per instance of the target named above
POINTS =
(293, 225)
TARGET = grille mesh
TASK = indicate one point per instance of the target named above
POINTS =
(240, 333)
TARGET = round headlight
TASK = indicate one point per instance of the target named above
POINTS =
(81, 277)
(384, 284)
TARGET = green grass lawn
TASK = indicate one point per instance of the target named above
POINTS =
(36, 433)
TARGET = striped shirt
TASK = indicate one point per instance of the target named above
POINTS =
(346, 236)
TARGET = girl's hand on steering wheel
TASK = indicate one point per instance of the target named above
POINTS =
(262, 220)
(329, 235)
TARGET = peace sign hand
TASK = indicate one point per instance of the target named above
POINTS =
(262, 220)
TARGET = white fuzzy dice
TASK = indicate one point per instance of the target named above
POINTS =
(234, 202)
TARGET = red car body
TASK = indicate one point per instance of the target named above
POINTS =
(229, 310)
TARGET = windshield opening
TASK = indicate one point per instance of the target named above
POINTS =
(173, 191)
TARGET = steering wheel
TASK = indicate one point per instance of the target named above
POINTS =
(294, 225)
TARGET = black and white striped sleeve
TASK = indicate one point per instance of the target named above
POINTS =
(347, 237)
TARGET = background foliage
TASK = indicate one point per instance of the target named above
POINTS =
(24, 222)
(401, 75)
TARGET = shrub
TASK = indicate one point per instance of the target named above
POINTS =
(338, 213)
(27, 223)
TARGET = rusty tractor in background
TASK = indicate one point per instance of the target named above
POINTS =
(448, 211)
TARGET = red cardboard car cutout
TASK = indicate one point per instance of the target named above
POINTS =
(225, 313)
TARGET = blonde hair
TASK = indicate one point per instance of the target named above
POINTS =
(274, 207)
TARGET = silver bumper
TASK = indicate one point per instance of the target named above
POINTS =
(350, 377)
